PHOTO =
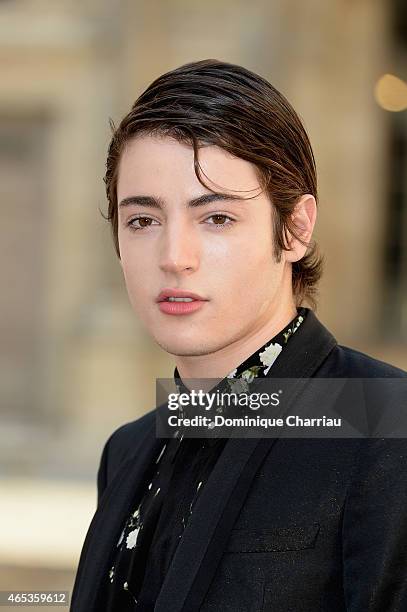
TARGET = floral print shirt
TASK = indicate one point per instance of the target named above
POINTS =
(150, 536)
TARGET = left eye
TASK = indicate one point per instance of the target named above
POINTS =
(220, 216)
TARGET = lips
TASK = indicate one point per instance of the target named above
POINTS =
(166, 293)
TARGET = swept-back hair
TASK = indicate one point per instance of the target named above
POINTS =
(210, 102)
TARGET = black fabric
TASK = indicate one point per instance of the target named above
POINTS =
(151, 535)
(282, 525)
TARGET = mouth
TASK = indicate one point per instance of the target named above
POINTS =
(181, 296)
(182, 304)
(172, 299)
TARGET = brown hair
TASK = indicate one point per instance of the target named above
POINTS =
(210, 102)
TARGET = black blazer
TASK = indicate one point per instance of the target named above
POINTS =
(282, 524)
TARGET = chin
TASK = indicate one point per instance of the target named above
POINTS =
(189, 346)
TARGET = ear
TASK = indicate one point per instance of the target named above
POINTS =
(303, 217)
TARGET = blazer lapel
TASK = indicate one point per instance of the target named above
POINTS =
(204, 539)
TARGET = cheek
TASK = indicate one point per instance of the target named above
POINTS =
(253, 258)
(256, 279)
(247, 277)
(135, 277)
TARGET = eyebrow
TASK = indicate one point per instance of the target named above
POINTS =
(153, 202)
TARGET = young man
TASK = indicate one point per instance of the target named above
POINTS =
(212, 195)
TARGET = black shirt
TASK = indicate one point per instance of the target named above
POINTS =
(151, 534)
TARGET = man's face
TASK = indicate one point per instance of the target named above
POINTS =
(228, 260)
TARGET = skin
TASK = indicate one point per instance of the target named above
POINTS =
(227, 260)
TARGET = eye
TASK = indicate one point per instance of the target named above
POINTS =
(144, 222)
(220, 216)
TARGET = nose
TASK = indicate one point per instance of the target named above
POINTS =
(179, 249)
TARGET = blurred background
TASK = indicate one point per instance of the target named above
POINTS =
(75, 363)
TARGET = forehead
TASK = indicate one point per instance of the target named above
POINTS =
(151, 161)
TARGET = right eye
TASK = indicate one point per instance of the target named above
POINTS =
(142, 220)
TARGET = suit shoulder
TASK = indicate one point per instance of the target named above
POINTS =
(122, 442)
(351, 362)
(127, 434)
